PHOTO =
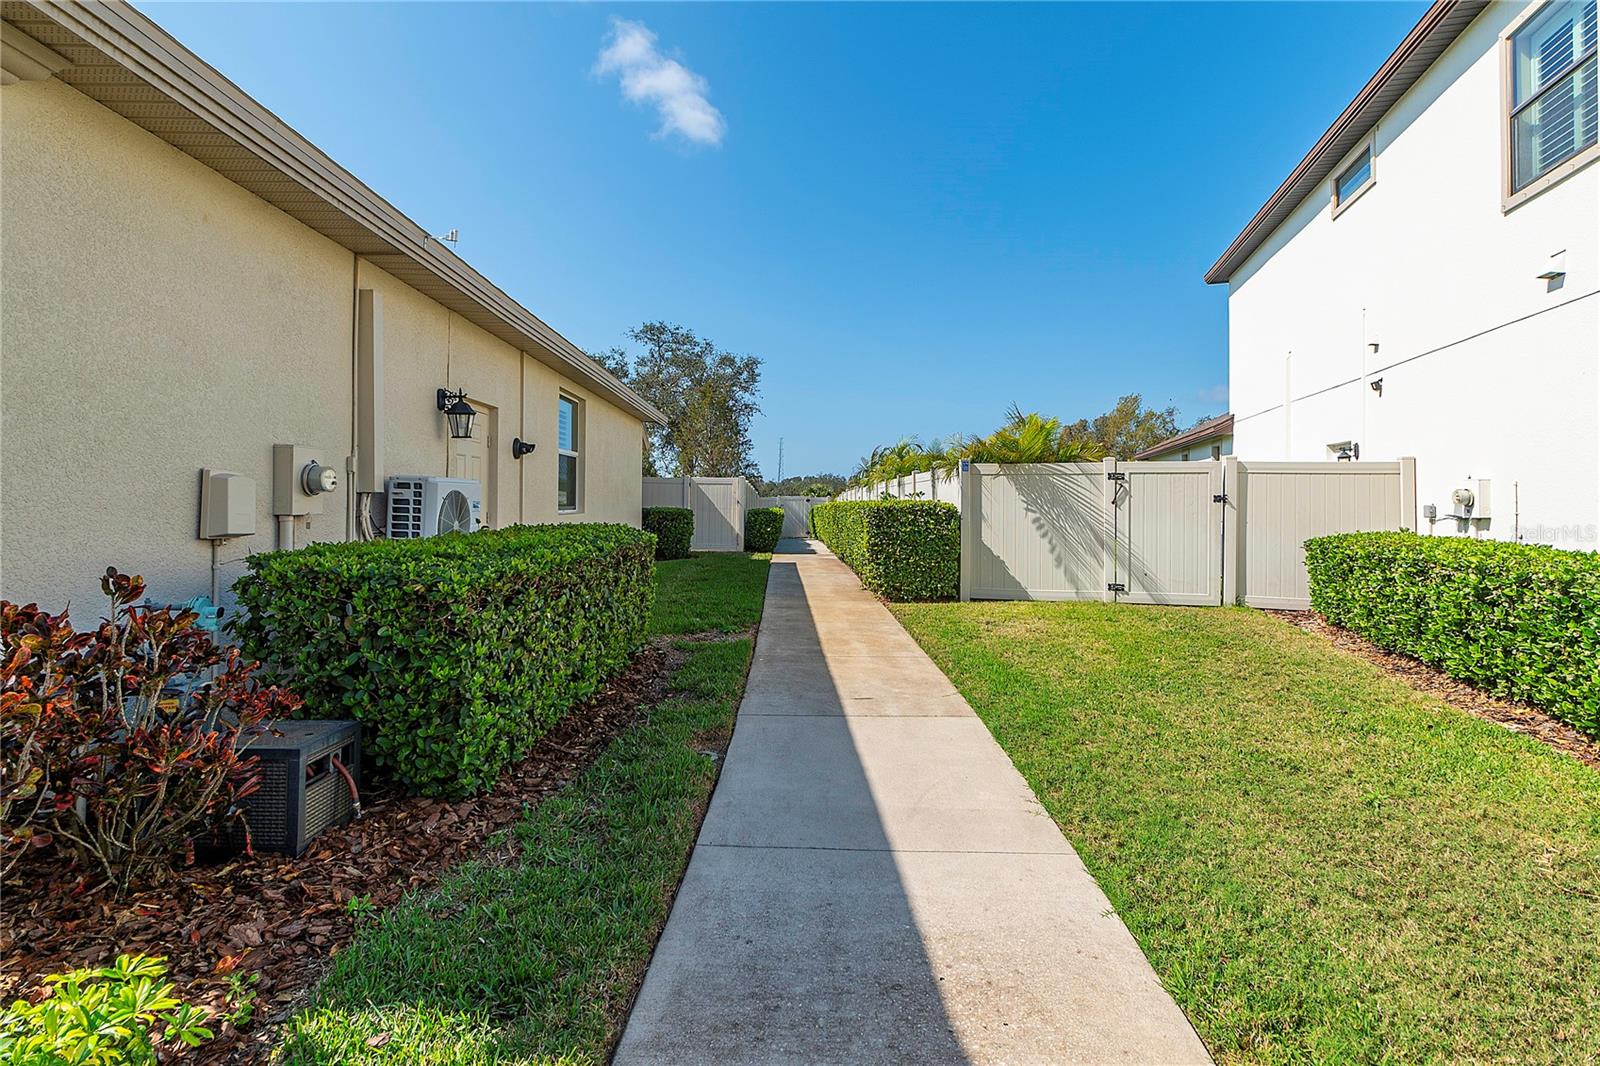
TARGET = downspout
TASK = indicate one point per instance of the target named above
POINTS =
(522, 432)
(1288, 404)
(449, 381)
(1366, 340)
(350, 460)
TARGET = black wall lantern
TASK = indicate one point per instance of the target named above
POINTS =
(520, 447)
(458, 412)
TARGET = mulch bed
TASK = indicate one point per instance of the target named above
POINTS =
(1517, 717)
(283, 918)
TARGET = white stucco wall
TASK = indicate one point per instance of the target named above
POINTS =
(155, 319)
(1487, 371)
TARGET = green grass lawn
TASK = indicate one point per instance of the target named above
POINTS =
(1322, 864)
(710, 592)
(535, 959)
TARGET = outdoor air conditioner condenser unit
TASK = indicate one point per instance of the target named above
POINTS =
(424, 506)
(310, 773)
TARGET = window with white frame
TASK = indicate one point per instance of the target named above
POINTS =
(1354, 178)
(1555, 109)
(569, 441)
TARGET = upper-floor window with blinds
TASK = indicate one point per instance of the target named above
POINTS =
(1555, 109)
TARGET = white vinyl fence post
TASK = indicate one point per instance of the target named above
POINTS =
(969, 526)
(1408, 492)
(1232, 531)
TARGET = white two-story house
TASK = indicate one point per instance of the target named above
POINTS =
(1427, 281)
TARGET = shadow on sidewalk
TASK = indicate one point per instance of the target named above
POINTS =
(792, 939)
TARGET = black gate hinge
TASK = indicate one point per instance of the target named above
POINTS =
(1116, 586)
(1220, 497)
(1116, 475)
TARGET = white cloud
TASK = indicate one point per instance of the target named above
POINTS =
(648, 77)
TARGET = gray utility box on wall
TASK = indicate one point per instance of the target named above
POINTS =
(302, 792)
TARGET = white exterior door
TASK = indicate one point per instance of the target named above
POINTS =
(473, 457)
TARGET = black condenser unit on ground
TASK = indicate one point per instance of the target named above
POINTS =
(309, 772)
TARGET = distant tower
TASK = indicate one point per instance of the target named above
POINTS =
(780, 460)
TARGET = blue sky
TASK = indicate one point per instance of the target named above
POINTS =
(915, 214)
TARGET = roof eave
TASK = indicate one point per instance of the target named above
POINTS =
(1439, 26)
(1221, 426)
(136, 43)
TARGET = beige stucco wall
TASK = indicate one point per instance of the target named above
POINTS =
(609, 478)
(427, 346)
(416, 365)
(155, 319)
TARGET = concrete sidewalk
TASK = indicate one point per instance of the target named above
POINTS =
(875, 883)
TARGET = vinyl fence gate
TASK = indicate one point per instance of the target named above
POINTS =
(796, 512)
(1201, 533)
(718, 504)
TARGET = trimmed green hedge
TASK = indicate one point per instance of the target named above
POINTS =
(901, 549)
(674, 530)
(455, 652)
(762, 528)
(1519, 620)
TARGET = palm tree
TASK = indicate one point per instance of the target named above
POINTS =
(1030, 438)
(1024, 438)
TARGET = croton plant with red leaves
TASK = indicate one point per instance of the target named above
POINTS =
(126, 743)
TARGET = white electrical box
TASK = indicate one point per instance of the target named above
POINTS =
(1480, 506)
(299, 480)
(227, 505)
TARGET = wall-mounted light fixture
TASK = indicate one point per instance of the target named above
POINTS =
(458, 412)
(1348, 452)
(1376, 385)
(520, 447)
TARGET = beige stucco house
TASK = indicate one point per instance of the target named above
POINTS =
(186, 282)
(1211, 439)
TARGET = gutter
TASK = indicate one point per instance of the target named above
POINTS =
(139, 45)
(1439, 26)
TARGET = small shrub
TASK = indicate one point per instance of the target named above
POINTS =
(674, 530)
(1519, 620)
(456, 653)
(108, 1016)
(901, 549)
(762, 528)
(127, 742)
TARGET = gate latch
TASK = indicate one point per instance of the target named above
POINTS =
(1116, 475)
(1221, 497)
(1116, 586)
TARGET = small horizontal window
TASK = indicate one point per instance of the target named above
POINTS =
(1353, 178)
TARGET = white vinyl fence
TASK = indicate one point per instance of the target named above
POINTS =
(1279, 506)
(1202, 533)
(796, 511)
(928, 485)
(718, 503)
